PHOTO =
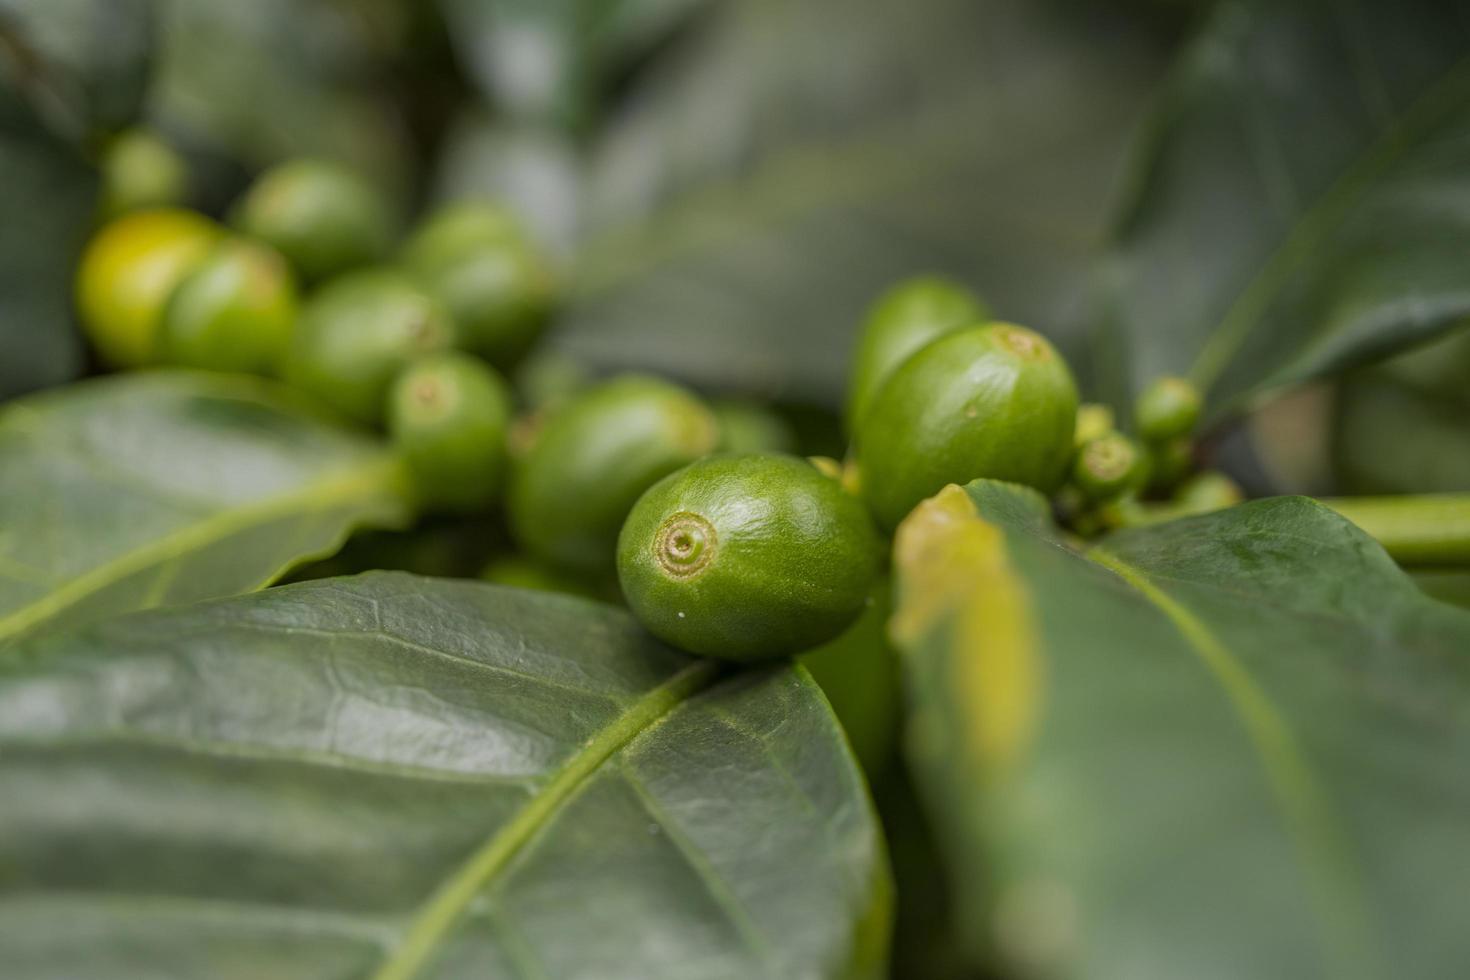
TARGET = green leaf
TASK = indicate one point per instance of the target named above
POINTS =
(389, 777)
(1232, 745)
(550, 60)
(80, 66)
(48, 199)
(794, 159)
(272, 79)
(69, 71)
(1400, 426)
(141, 490)
(1301, 204)
(1393, 438)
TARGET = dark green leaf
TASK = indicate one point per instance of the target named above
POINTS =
(1302, 204)
(1392, 438)
(1400, 426)
(48, 197)
(80, 66)
(70, 70)
(137, 491)
(269, 79)
(390, 777)
(1229, 746)
(796, 158)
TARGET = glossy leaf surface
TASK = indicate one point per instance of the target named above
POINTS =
(1227, 746)
(149, 489)
(390, 777)
(1302, 202)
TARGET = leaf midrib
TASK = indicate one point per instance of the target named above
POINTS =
(1334, 887)
(374, 479)
(446, 905)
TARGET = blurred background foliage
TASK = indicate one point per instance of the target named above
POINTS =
(730, 182)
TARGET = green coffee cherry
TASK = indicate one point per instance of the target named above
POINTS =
(1107, 466)
(140, 171)
(127, 274)
(995, 401)
(1168, 463)
(746, 427)
(547, 378)
(900, 323)
(1124, 512)
(448, 415)
(858, 672)
(589, 460)
(1093, 422)
(495, 283)
(1167, 409)
(323, 217)
(1201, 494)
(455, 229)
(358, 333)
(1206, 492)
(747, 557)
(234, 312)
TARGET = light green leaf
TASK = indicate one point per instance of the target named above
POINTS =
(390, 777)
(1303, 201)
(149, 489)
(1228, 746)
(769, 179)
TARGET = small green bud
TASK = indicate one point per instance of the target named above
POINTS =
(1093, 422)
(1167, 409)
(1107, 466)
(1206, 492)
(1168, 463)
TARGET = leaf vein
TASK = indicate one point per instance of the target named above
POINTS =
(342, 487)
(447, 904)
(1332, 876)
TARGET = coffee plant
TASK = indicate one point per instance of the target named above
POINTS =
(731, 489)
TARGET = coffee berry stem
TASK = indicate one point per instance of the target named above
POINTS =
(1425, 529)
